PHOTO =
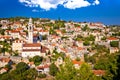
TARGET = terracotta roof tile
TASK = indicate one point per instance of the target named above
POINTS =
(15, 31)
(64, 50)
(6, 37)
(17, 23)
(23, 33)
(19, 29)
(43, 66)
(31, 63)
(43, 50)
(77, 62)
(30, 50)
(5, 59)
(32, 45)
(99, 72)
(80, 48)
(112, 38)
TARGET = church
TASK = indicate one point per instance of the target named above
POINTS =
(31, 49)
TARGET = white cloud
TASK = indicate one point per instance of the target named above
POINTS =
(96, 2)
(73, 4)
(35, 10)
(48, 4)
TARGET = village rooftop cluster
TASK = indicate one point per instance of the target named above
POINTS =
(24, 39)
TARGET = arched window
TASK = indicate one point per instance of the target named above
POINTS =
(30, 27)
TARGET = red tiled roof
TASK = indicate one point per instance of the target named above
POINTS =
(99, 72)
(32, 45)
(43, 66)
(74, 46)
(40, 67)
(77, 62)
(43, 30)
(5, 69)
(35, 29)
(23, 33)
(96, 31)
(6, 37)
(54, 36)
(43, 50)
(19, 29)
(78, 27)
(80, 48)
(7, 31)
(58, 30)
(46, 66)
(17, 23)
(15, 31)
(31, 63)
(31, 50)
(112, 38)
(53, 44)
(63, 49)
(5, 59)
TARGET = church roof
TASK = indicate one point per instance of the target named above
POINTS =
(32, 45)
(31, 50)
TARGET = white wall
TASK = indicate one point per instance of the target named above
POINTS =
(31, 54)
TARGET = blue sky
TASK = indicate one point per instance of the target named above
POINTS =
(105, 11)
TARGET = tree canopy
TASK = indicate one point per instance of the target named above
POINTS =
(21, 67)
(53, 69)
(37, 60)
(69, 72)
(114, 43)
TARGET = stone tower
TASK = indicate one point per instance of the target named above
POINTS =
(30, 31)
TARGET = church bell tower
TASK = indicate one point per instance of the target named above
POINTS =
(30, 31)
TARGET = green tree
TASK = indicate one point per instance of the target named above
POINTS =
(6, 77)
(2, 31)
(63, 31)
(78, 59)
(86, 43)
(85, 28)
(109, 64)
(59, 24)
(51, 31)
(44, 37)
(53, 69)
(114, 43)
(21, 67)
(69, 72)
(15, 53)
(0, 25)
(85, 73)
(8, 67)
(102, 65)
(118, 66)
(5, 47)
(90, 38)
(37, 60)
(101, 49)
(103, 38)
(30, 74)
(42, 75)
